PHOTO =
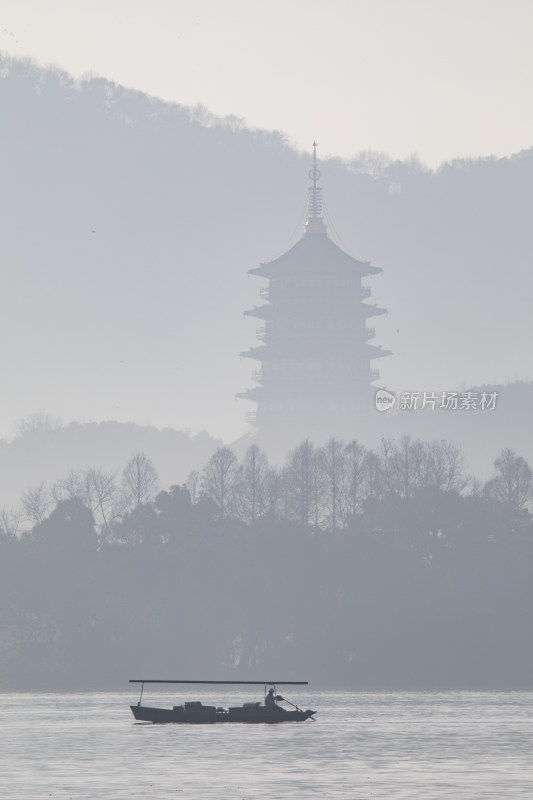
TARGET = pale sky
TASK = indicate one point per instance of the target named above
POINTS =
(442, 78)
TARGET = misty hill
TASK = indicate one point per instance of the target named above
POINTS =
(48, 452)
(129, 225)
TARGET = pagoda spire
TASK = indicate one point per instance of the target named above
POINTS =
(315, 223)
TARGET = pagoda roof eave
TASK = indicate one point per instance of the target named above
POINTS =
(271, 312)
(277, 350)
(254, 352)
(259, 311)
(313, 250)
(373, 311)
(251, 394)
(380, 352)
(265, 270)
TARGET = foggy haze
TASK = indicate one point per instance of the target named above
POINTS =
(145, 525)
(130, 224)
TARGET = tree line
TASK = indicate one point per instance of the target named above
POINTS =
(349, 566)
(321, 487)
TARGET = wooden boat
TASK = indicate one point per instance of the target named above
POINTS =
(196, 713)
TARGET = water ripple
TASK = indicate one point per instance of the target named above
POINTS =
(364, 746)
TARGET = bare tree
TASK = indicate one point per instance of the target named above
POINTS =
(103, 498)
(97, 490)
(408, 466)
(36, 503)
(193, 484)
(39, 421)
(513, 482)
(420, 459)
(9, 522)
(448, 466)
(387, 453)
(333, 462)
(251, 489)
(72, 485)
(139, 482)
(353, 483)
(411, 465)
(218, 478)
(273, 492)
(300, 478)
(373, 476)
(317, 485)
(401, 469)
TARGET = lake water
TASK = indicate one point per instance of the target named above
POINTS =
(363, 746)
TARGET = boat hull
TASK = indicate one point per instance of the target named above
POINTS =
(210, 715)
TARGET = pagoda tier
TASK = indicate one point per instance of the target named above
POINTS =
(318, 381)
(312, 254)
(296, 309)
(314, 351)
(317, 352)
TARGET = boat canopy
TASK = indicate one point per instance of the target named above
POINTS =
(235, 683)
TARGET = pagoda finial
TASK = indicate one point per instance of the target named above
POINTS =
(315, 223)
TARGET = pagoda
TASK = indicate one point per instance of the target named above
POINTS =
(313, 336)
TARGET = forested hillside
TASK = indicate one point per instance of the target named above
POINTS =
(347, 566)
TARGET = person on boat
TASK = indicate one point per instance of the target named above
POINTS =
(270, 700)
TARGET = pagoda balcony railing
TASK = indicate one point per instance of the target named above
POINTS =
(374, 374)
(290, 293)
(260, 333)
(257, 375)
(250, 416)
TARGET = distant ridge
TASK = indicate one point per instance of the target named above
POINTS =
(49, 454)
